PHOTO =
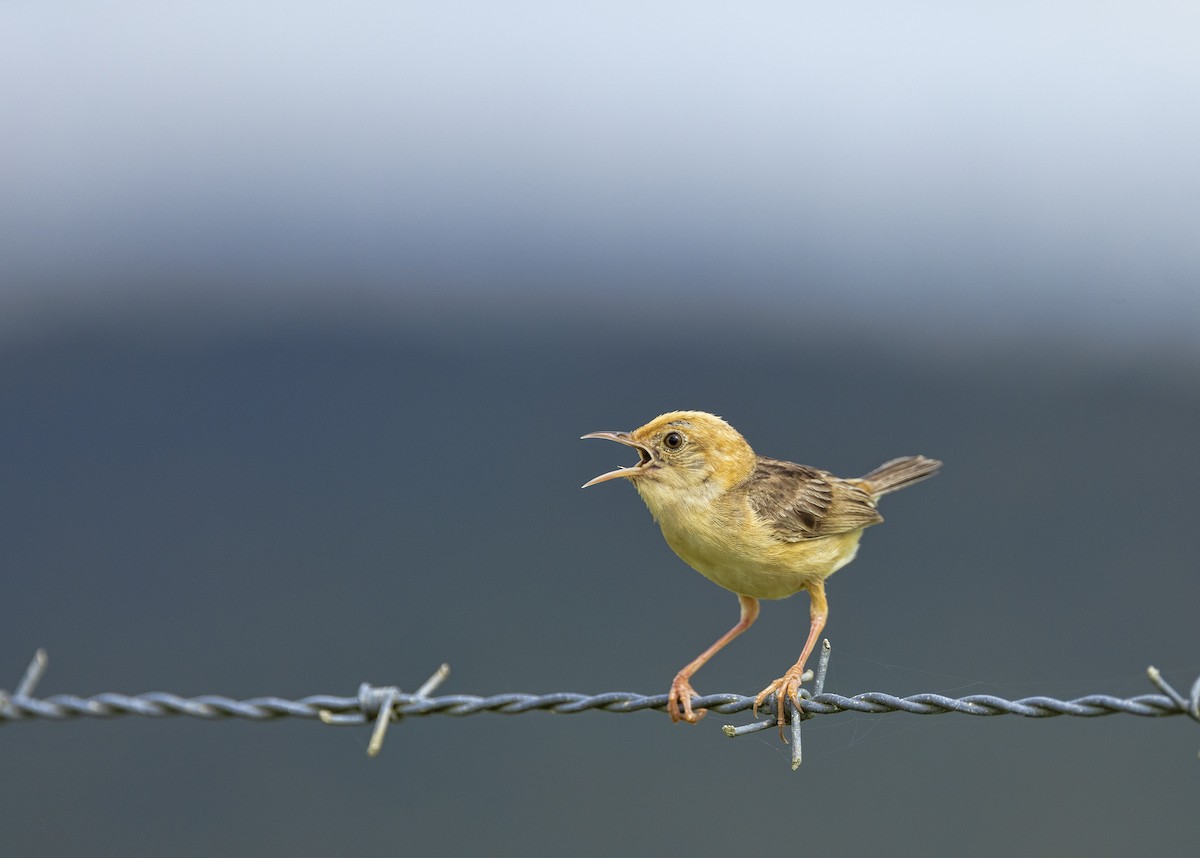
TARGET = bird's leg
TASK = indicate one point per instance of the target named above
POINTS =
(679, 700)
(787, 687)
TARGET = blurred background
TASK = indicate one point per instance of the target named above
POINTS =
(303, 307)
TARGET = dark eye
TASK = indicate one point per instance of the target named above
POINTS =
(673, 440)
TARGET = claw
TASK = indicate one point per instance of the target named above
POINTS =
(764, 694)
(787, 687)
(679, 701)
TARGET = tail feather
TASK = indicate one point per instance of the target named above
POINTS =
(899, 473)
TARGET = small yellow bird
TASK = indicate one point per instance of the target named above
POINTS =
(760, 527)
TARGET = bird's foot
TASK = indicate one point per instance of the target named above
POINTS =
(786, 688)
(679, 701)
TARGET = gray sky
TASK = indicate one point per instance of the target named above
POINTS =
(1030, 166)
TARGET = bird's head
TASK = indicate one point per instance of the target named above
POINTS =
(682, 455)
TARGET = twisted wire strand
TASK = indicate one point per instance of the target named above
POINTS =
(386, 704)
(360, 708)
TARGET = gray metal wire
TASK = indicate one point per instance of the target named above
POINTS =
(159, 704)
(372, 703)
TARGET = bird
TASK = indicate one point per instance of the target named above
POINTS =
(762, 528)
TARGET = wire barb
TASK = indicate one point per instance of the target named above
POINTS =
(1190, 707)
(383, 704)
(794, 716)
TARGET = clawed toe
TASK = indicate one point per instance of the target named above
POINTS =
(764, 694)
(679, 702)
(787, 687)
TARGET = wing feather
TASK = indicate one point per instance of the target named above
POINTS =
(798, 502)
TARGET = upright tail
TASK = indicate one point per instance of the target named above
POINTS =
(899, 473)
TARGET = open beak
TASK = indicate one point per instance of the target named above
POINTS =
(646, 459)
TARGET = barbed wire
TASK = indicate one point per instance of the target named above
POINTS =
(388, 703)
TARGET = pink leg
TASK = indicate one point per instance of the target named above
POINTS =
(679, 700)
(788, 686)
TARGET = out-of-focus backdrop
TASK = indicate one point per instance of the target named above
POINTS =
(304, 306)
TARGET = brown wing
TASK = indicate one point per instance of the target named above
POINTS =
(799, 502)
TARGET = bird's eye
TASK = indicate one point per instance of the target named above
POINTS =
(673, 440)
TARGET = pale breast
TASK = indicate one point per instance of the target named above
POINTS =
(764, 570)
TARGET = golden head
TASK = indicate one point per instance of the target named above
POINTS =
(682, 451)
